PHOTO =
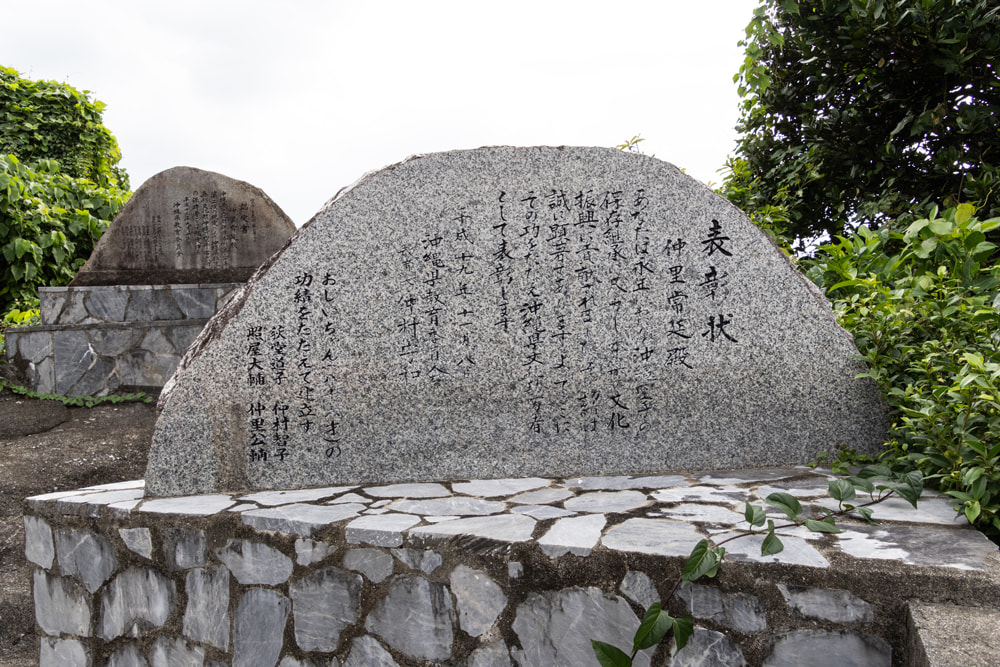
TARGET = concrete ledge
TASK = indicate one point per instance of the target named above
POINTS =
(495, 572)
(946, 635)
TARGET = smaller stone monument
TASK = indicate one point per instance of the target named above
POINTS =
(188, 226)
(173, 256)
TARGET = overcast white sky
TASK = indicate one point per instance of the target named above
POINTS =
(301, 98)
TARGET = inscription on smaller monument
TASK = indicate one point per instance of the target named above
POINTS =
(511, 312)
(186, 225)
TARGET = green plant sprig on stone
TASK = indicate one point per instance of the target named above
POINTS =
(879, 482)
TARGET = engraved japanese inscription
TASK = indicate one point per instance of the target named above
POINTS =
(507, 312)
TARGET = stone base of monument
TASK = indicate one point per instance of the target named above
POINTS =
(493, 572)
(96, 340)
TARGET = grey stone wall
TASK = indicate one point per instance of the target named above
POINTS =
(95, 340)
(498, 572)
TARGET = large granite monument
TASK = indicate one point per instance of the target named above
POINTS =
(511, 312)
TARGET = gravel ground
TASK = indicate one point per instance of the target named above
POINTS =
(46, 447)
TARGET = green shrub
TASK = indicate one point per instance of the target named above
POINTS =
(922, 306)
(60, 184)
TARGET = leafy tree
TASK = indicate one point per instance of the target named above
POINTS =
(858, 111)
(60, 184)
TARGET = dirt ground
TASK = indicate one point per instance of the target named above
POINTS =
(47, 447)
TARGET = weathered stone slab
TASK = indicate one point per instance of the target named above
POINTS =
(186, 225)
(508, 312)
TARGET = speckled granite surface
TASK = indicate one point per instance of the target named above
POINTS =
(514, 311)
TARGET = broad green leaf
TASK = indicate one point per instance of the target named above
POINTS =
(972, 511)
(841, 489)
(702, 561)
(863, 484)
(941, 227)
(610, 656)
(785, 502)
(655, 624)
(963, 212)
(771, 544)
(754, 514)
(683, 629)
(824, 526)
(866, 514)
(875, 471)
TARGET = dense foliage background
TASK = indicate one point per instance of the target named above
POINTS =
(860, 111)
(859, 119)
(60, 185)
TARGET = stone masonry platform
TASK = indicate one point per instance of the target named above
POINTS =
(496, 572)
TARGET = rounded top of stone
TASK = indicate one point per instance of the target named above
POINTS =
(188, 225)
(510, 312)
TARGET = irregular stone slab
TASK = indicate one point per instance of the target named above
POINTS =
(574, 535)
(494, 488)
(374, 564)
(569, 299)
(457, 505)
(255, 563)
(61, 605)
(817, 647)
(837, 606)
(493, 655)
(172, 651)
(599, 501)
(623, 482)
(703, 514)
(128, 655)
(196, 505)
(653, 536)
(919, 545)
(639, 588)
(408, 491)
(929, 509)
(503, 528)
(740, 611)
(186, 225)
(136, 600)
(542, 496)
(85, 555)
(308, 552)
(555, 628)
(416, 618)
(417, 559)
(300, 519)
(184, 548)
(323, 605)
(38, 546)
(707, 648)
(349, 498)
(259, 627)
(542, 512)
(796, 552)
(702, 494)
(384, 530)
(480, 600)
(206, 618)
(63, 653)
(367, 652)
(138, 541)
(272, 498)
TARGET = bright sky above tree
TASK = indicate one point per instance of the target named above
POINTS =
(301, 98)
